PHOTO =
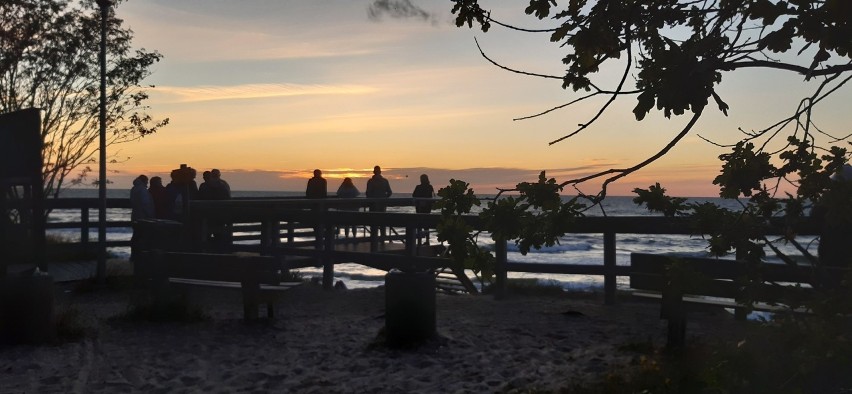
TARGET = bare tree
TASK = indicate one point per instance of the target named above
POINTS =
(48, 60)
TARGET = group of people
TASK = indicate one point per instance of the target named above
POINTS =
(377, 187)
(169, 201)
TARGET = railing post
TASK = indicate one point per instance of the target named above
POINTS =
(500, 273)
(740, 313)
(267, 230)
(84, 226)
(410, 240)
(327, 260)
(374, 239)
(291, 232)
(609, 268)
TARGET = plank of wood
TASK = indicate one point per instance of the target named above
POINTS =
(724, 303)
(233, 285)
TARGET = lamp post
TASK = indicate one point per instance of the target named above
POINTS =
(101, 268)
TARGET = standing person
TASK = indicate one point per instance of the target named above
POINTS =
(173, 195)
(160, 197)
(219, 189)
(181, 190)
(141, 207)
(423, 190)
(141, 203)
(317, 186)
(831, 214)
(378, 187)
(347, 189)
(204, 188)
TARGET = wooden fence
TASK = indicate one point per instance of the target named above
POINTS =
(276, 226)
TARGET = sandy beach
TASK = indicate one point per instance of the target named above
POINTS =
(325, 342)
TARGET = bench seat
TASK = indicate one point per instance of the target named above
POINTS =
(259, 277)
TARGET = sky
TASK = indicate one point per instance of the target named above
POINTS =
(269, 90)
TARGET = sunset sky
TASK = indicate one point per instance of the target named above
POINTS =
(268, 90)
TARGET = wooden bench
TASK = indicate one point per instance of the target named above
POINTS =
(679, 281)
(259, 277)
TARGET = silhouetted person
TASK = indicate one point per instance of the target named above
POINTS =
(835, 244)
(181, 190)
(222, 190)
(204, 192)
(378, 187)
(347, 189)
(835, 240)
(218, 189)
(317, 186)
(160, 197)
(423, 190)
(141, 203)
(141, 207)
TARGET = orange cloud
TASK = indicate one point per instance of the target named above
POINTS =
(253, 91)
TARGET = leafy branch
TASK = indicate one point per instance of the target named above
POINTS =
(683, 49)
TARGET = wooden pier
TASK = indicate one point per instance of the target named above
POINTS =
(303, 233)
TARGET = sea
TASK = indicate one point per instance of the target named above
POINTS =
(571, 248)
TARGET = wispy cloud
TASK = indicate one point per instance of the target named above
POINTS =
(399, 9)
(254, 91)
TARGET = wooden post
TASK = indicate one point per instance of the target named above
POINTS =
(609, 268)
(500, 269)
(251, 299)
(275, 232)
(84, 226)
(740, 313)
(200, 228)
(327, 261)
(410, 240)
(268, 233)
(674, 312)
(291, 232)
(374, 239)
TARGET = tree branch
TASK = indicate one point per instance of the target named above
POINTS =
(612, 97)
(622, 172)
(481, 52)
(830, 70)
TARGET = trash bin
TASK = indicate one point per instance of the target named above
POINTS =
(26, 309)
(409, 307)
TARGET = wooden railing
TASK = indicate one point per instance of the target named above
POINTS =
(87, 208)
(279, 222)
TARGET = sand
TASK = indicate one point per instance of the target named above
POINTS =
(325, 342)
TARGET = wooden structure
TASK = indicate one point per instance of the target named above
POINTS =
(681, 281)
(26, 298)
(285, 227)
(259, 277)
(22, 224)
(315, 223)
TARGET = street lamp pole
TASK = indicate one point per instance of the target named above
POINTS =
(102, 255)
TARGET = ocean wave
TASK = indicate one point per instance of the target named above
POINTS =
(565, 247)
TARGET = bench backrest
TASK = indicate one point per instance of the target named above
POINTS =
(213, 267)
(712, 277)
